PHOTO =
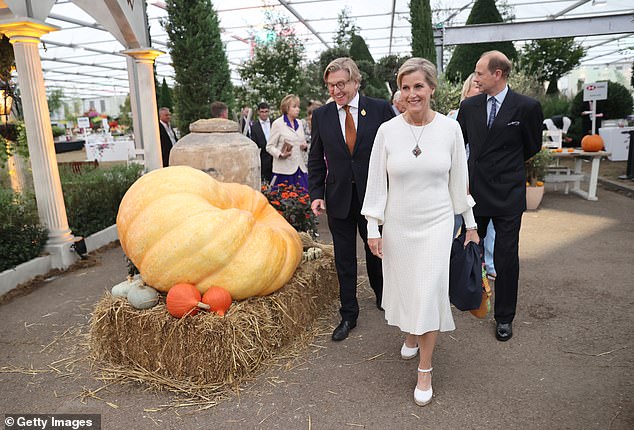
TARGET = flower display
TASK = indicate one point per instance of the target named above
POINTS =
(293, 203)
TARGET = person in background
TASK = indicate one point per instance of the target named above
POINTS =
(245, 121)
(219, 110)
(342, 135)
(260, 132)
(503, 129)
(421, 153)
(167, 134)
(286, 144)
(312, 105)
(398, 106)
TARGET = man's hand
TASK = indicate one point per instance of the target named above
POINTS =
(376, 246)
(318, 206)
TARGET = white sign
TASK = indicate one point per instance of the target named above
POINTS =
(83, 122)
(595, 91)
(104, 124)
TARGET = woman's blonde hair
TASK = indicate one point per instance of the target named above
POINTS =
(466, 87)
(416, 64)
(287, 101)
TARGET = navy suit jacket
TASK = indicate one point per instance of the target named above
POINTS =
(166, 145)
(497, 178)
(266, 160)
(331, 167)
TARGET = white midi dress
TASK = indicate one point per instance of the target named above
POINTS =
(415, 199)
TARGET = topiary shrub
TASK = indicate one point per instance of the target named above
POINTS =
(555, 105)
(618, 105)
(92, 197)
(22, 237)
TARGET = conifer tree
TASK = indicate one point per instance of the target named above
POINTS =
(422, 31)
(198, 55)
(466, 56)
(165, 96)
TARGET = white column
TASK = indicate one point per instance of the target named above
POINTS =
(134, 105)
(25, 37)
(147, 109)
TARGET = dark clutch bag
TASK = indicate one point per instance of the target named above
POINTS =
(465, 275)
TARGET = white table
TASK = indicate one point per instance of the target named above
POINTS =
(110, 150)
(575, 176)
(616, 142)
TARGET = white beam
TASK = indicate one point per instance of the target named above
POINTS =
(572, 27)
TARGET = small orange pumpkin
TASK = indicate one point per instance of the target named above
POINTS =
(218, 299)
(184, 299)
(592, 143)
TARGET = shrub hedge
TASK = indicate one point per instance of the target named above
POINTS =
(22, 237)
(92, 197)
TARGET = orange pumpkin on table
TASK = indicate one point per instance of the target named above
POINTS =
(592, 143)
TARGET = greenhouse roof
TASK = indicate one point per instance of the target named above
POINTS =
(84, 59)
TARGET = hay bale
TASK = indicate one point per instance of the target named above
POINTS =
(208, 349)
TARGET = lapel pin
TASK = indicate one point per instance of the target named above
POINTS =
(362, 112)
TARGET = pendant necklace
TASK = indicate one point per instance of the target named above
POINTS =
(417, 151)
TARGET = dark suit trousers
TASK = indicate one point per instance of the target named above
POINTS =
(344, 237)
(506, 260)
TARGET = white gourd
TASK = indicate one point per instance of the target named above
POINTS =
(142, 297)
(121, 289)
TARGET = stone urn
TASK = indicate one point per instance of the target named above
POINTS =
(217, 147)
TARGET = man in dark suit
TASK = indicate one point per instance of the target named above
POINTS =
(503, 129)
(342, 135)
(260, 130)
(166, 132)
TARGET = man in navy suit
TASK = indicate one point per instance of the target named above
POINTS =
(503, 129)
(342, 135)
(260, 130)
(166, 133)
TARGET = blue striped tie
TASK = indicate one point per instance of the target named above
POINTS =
(492, 113)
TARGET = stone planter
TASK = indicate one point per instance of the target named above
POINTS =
(534, 197)
(217, 147)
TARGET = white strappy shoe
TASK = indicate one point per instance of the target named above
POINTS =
(408, 353)
(423, 397)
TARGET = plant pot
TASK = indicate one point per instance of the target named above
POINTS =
(534, 197)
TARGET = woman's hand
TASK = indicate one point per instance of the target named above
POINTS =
(471, 236)
(376, 246)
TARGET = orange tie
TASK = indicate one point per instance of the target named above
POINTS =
(351, 132)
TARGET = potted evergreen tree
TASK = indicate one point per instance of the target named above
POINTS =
(536, 168)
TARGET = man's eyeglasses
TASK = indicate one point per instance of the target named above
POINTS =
(340, 85)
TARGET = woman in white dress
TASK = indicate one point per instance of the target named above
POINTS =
(416, 182)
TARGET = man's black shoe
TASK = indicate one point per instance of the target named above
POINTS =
(343, 329)
(503, 331)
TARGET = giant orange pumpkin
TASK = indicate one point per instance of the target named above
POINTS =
(179, 225)
(592, 143)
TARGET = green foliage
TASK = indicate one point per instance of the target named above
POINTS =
(92, 197)
(550, 59)
(387, 69)
(274, 70)
(447, 96)
(198, 55)
(537, 166)
(346, 28)
(22, 237)
(13, 141)
(555, 105)
(359, 50)
(7, 59)
(58, 131)
(618, 105)
(165, 96)
(526, 84)
(465, 57)
(54, 100)
(312, 87)
(125, 111)
(422, 30)
(371, 84)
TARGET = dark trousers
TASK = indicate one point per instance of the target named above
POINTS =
(344, 237)
(506, 260)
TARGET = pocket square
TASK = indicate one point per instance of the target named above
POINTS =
(513, 123)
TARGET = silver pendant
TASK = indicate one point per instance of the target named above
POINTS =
(416, 151)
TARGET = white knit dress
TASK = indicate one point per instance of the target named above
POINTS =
(415, 199)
